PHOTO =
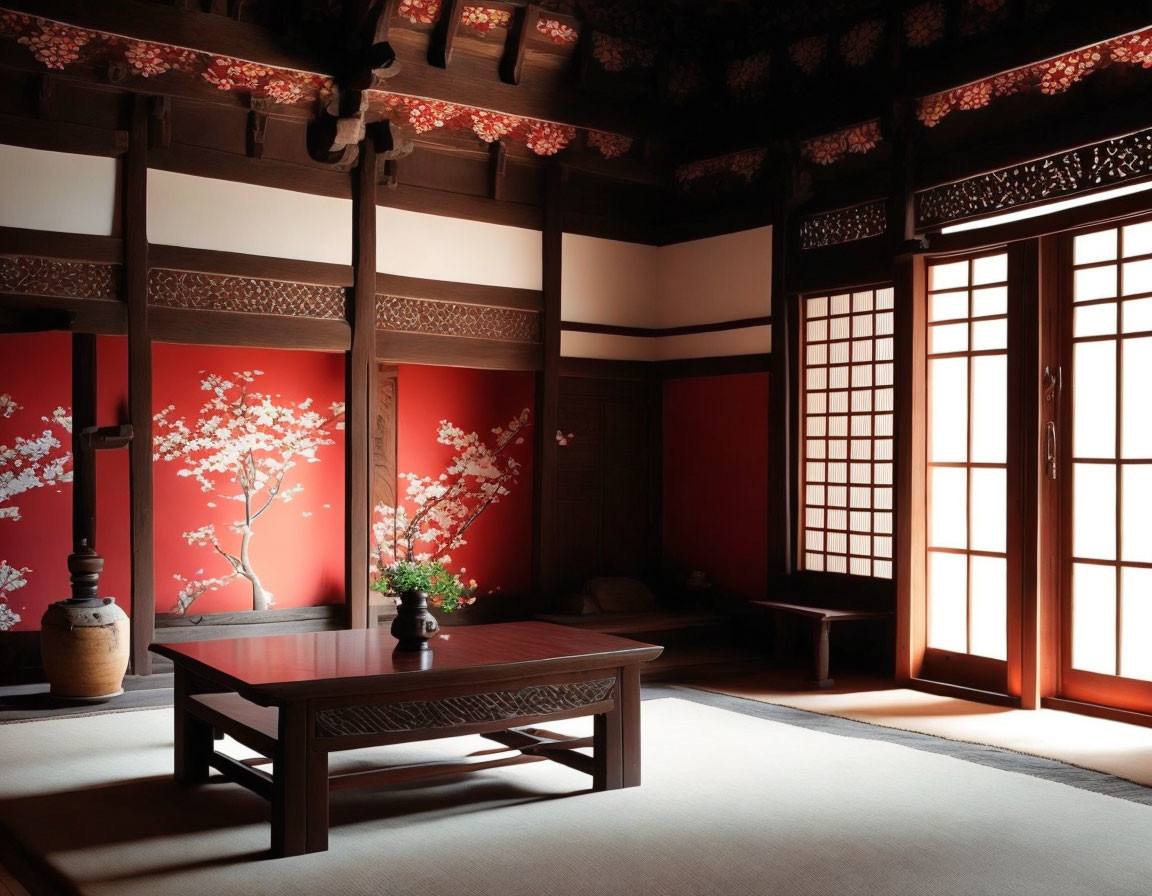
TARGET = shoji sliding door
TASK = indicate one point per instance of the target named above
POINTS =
(1106, 606)
(967, 579)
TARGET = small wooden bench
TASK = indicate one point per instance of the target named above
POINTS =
(822, 619)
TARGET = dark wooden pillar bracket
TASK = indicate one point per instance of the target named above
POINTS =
(444, 35)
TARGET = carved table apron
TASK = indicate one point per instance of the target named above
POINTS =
(296, 698)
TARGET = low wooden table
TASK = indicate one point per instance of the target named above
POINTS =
(296, 698)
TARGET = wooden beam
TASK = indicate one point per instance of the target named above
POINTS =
(546, 471)
(200, 327)
(444, 34)
(135, 180)
(240, 264)
(456, 351)
(781, 411)
(360, 372)
(22, 313)
(63, 246)
(62, 136)
(460, 293)
(179, 27)
(516, 43)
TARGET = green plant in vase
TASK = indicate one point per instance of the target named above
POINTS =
(445, 589)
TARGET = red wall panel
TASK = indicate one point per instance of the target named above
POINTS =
(297, 548)
(499, 549)
(716, 479)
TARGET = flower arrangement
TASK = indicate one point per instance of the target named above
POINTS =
(444, 588)
(413, 541)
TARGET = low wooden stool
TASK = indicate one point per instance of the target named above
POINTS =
(822, 619)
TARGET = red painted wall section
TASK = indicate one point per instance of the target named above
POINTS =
(36, 522)
(297, 548)
(716, 479)
(499, 549)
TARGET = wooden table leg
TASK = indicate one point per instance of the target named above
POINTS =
(193, 737)
(317, 772)
(820, 663)
(606, 747)
(290, 783)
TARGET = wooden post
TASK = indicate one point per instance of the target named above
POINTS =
(139, 385)
(781, 408)
(83, 459)
(547, 394)
(359, 376)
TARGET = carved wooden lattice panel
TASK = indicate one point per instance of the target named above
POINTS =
(447, 712)
(455, 319)
(844, 225)
(218, 292)
(1111, 163)
(65, 279)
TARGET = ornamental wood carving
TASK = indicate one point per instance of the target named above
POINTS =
(844, 225)
(218, 292)
(452, 319)
(1121, 160)
(64, 279)
(448, 712)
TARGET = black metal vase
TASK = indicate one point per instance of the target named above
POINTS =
(414, 624)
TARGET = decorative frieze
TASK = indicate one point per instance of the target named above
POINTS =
(470, 709)
(1111, 163)
(844, 225)
(32, 276)
(456, 319)
(218, 292)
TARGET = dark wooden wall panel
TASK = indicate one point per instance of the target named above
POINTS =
(605, 488)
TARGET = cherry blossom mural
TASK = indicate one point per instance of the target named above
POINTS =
(464, 454)
(830, 148)
(244, 450)
(34, 461)
(1050, 77)
(436, 512)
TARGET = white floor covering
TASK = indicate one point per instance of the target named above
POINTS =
(730, 804)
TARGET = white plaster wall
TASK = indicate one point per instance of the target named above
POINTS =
(206, 213)
(57, 191)
(413, 244)
(745, 341)
(607, 347)
(608, 282)
(727, 277)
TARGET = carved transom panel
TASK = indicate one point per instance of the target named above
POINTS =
(448, 712)
(844, 225)
(455, 319)
(1121, 160)
(65, 279)
(217, 292)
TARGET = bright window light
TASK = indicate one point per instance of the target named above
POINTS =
(1037, 211)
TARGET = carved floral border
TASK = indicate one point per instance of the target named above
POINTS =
(412, 315)
(248, 295)
(29, 275)
(830, 148)
(741, 165)
(844, 225)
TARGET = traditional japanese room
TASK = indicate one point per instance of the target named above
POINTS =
(498, 447)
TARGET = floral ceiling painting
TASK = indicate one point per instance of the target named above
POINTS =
(59, 46)
(1050, 77)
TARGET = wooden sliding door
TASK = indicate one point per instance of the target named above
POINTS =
(970, 472)
(1106, 601)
